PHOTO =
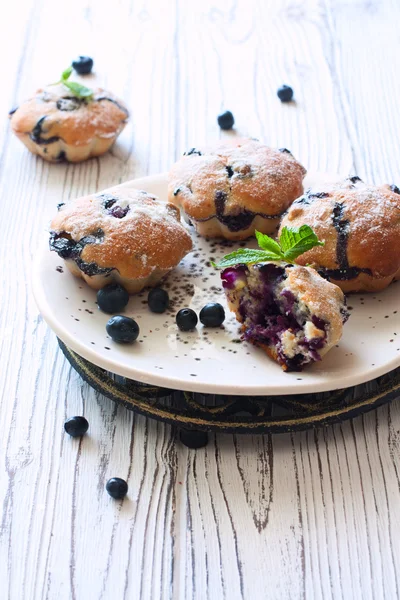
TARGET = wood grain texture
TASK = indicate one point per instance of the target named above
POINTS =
(309, 515)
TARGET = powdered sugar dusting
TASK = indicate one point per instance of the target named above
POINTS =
(251, 176)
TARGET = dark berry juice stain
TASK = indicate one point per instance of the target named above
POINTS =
(106, 99)
(342, 227)
(36, 134)
(59, 269)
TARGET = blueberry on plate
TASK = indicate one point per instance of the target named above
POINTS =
(117, 488)
(112, 298)
(212, 314)
(122, 329)
(285, 93)
(158, 300)
(76, 426)
(83, 65)
(226, 120)
(186, 319)
(193, 438)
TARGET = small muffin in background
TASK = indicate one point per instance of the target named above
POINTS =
(360, 225)
(68, 121)
(235, 187)
(125, 236)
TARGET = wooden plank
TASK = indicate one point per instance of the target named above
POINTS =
(310, 515)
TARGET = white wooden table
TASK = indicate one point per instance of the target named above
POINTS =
(309, 515)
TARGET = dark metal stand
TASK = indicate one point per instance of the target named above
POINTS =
(236, 414)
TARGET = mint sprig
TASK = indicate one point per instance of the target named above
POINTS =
(77, 89)
(292, 242)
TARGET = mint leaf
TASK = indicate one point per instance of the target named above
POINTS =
(66, 74)
(292, 243)
(78, 90)
(267, 243)
(297, 241)
(246, 256)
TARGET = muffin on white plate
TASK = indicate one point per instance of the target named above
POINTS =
(235, 187)
(126, 236)
(289, 311)
(361, 227)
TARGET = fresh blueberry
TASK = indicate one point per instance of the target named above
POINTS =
(117, 488)
(158, 300)
(193, 438)
(212, 314)
(76, 426)
(113, 298)
(226, 120)
(83, 65)
(186, 319)
(285, 93)
(122, 329)
(119, 212)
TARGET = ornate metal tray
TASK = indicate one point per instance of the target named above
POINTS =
(237, 414)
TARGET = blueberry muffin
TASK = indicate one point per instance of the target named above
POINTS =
(123, 235)
(236, 187)
(59, 126)
(289, 311)
(360, 225)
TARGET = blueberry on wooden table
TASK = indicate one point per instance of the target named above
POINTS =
(76, 426)
(83, 65)
(212, 314)
(285, 93)
(122, 329)
(186, 319)
(158, 300)
(112, 298)
(226, 120)
(117, 488)
(193, 438)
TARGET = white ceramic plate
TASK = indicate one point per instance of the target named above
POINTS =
(209, 360)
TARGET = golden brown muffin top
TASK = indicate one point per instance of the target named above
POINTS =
(235, 176)
(128, 229)
(53, 112)
(359, 223)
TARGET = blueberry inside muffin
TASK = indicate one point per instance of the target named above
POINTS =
(290, 312)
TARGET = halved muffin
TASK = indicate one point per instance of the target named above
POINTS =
(289, 311)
